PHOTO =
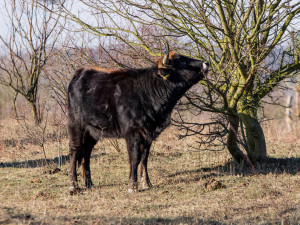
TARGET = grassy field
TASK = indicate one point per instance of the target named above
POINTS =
(189, 186)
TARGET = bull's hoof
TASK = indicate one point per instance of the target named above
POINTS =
(89, 184)
(132, 187)
(73, 190)
(146, 184)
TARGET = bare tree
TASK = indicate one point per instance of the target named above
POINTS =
(33, 34)
(241, 39)
(73, 52)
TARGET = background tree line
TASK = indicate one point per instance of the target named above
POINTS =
(252, 47)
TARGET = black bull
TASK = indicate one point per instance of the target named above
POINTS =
(134, 104)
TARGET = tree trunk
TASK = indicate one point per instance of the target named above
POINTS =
(232, 141)
(255, 138)
(36, 113)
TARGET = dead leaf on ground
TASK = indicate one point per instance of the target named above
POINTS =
(36, 180)
(211, 185)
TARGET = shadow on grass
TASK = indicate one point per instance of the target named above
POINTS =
(270, 165)
(14, 216)
(35, 162)
(40, 162)
(158, 220)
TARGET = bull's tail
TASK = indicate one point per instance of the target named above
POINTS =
(72, 82)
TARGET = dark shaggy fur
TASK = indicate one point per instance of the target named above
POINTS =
(131, 104)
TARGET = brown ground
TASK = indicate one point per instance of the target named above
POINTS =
(189, 186)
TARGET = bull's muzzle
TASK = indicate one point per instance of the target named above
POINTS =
(205, 67)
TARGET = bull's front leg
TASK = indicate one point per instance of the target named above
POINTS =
(145, 180)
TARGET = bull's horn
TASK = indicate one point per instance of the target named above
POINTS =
(166, 54)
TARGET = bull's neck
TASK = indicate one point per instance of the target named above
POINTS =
(179, 92)
(161, 94)
(173, 91)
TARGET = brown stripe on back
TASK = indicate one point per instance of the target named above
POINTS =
(108, 71)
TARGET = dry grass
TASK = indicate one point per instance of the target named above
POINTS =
(30, 195)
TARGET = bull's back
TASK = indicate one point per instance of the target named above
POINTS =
(95, 97)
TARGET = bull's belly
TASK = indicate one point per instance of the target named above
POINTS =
(99, 132)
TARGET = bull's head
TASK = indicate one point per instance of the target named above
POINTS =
(193, 69)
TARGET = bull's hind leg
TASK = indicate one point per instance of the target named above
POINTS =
(134, 152)
(75, 144)
(145, 180)
(88, 145)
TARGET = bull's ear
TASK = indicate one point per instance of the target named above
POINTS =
(205, 67)
(166, 54)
